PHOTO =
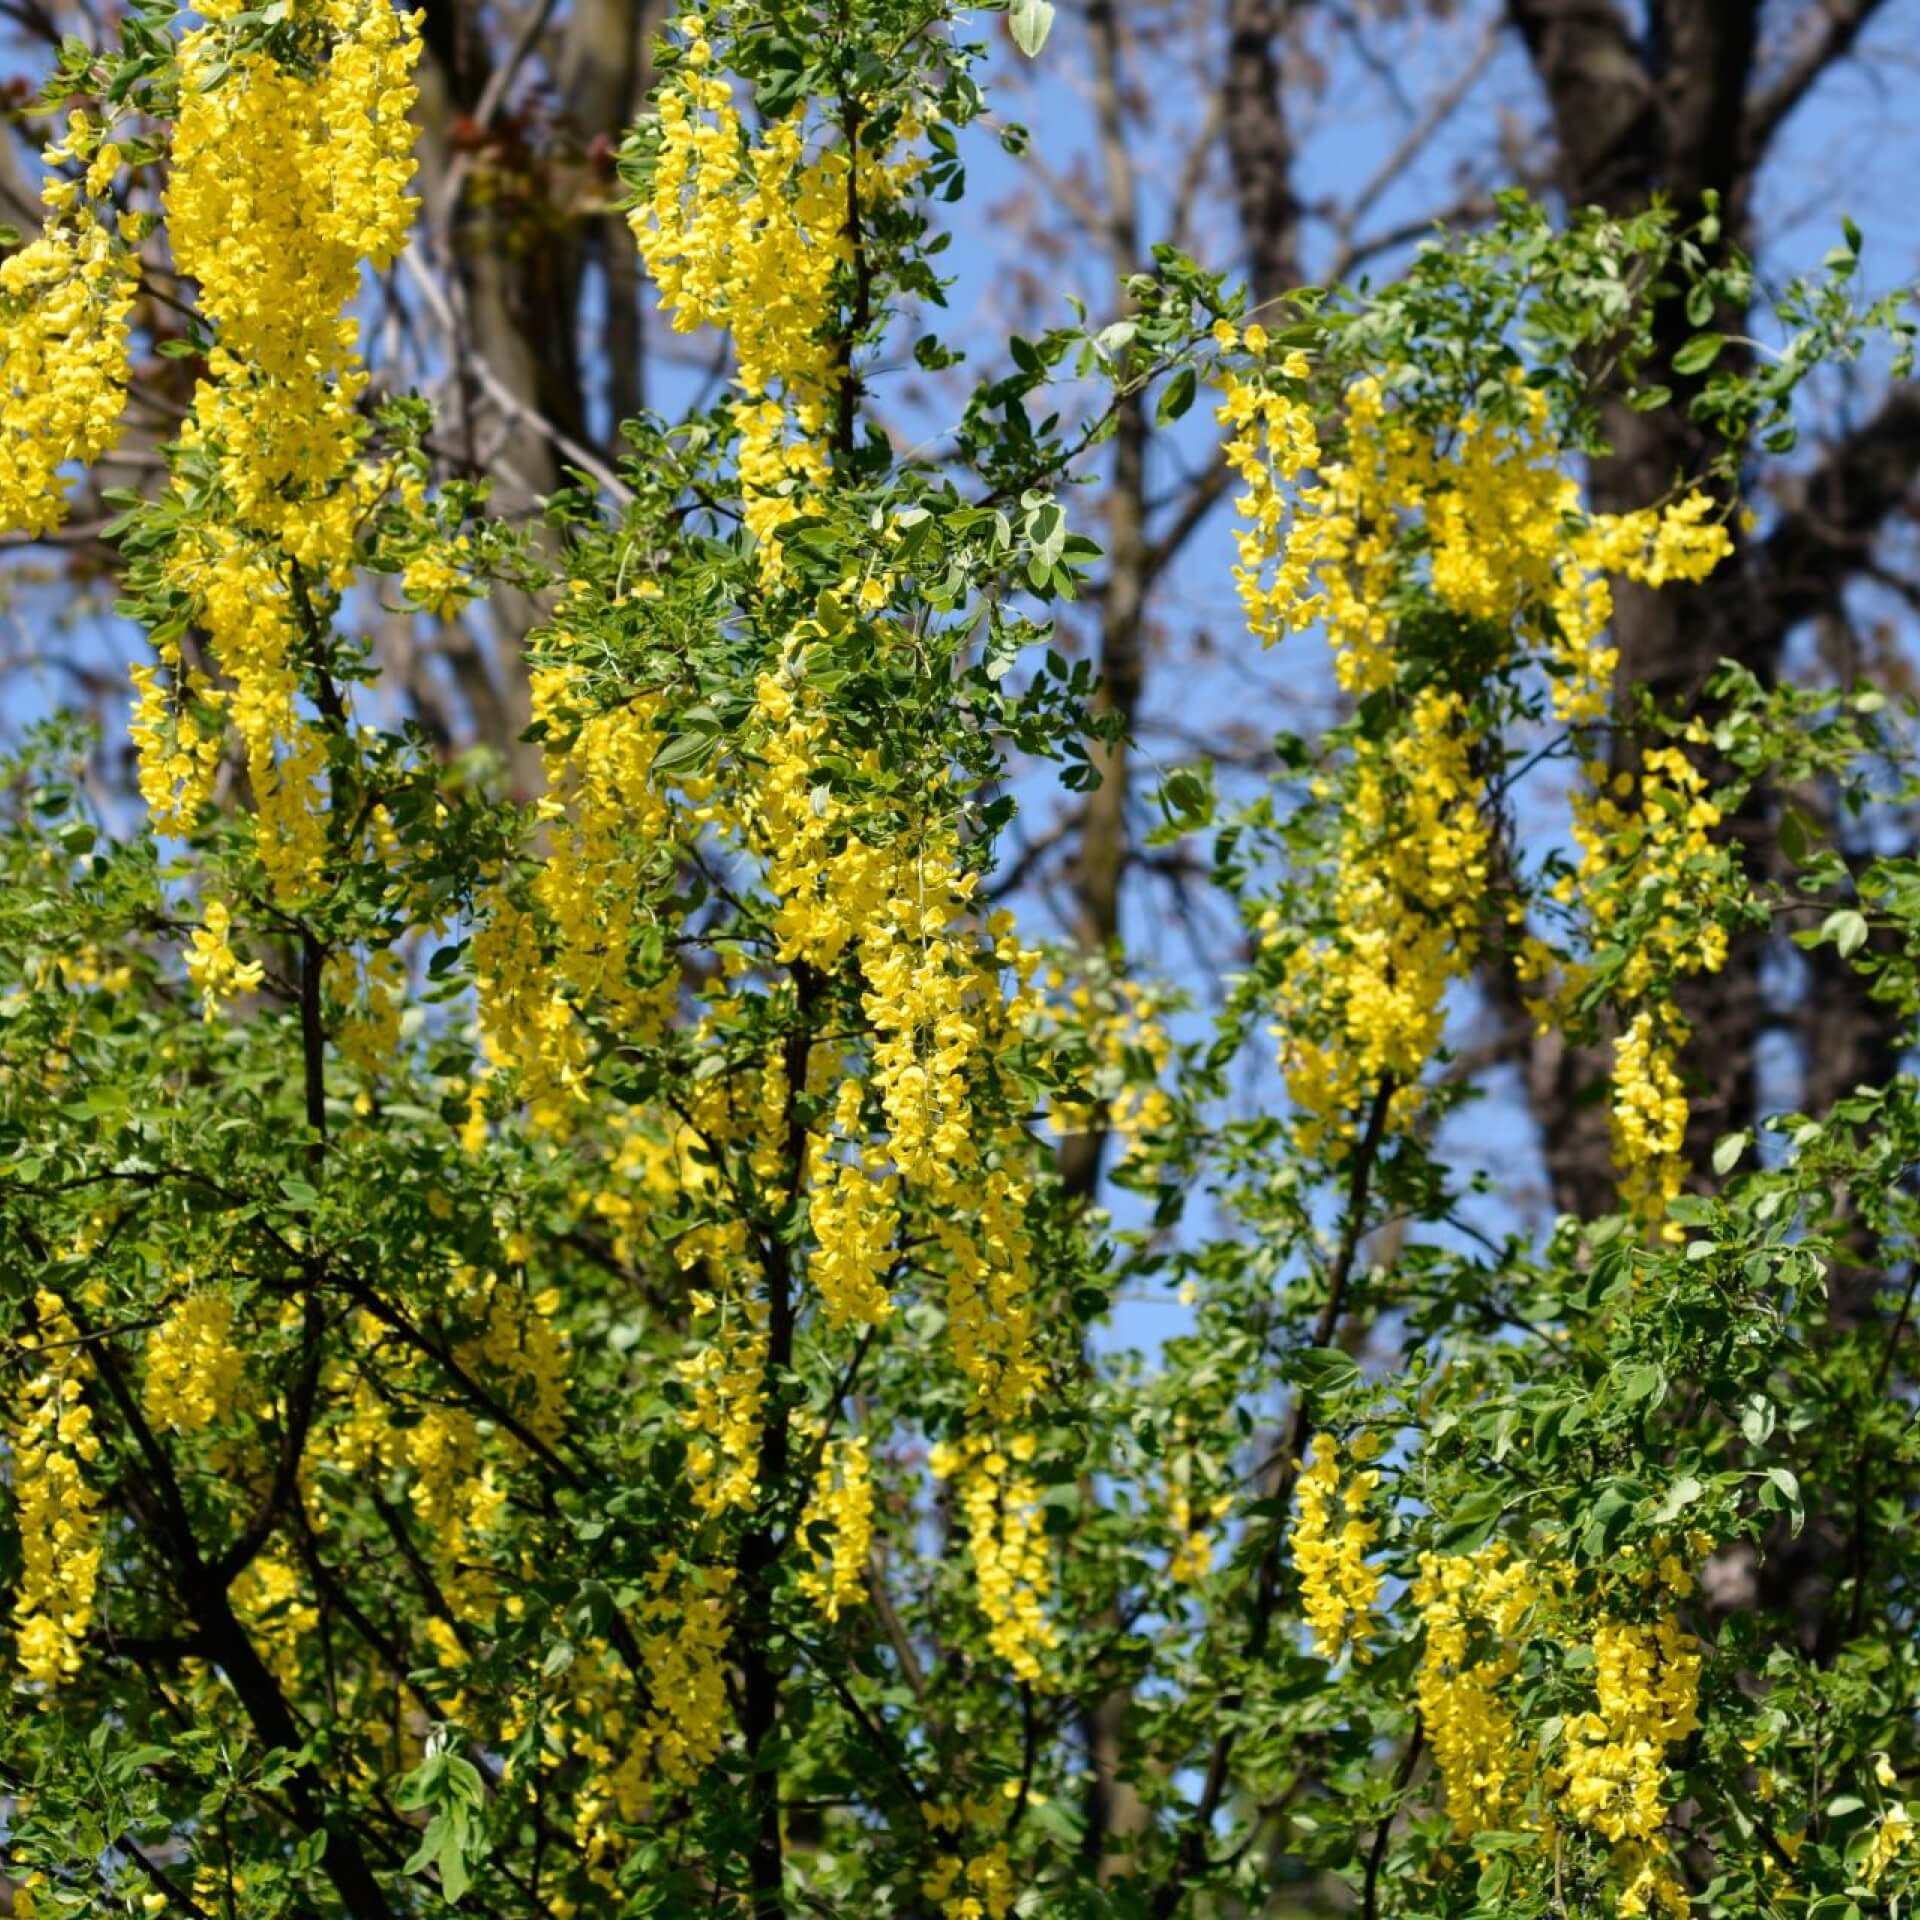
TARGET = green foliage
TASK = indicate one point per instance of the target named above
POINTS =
(405, 1558)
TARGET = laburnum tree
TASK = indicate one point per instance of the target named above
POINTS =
(563, 1355)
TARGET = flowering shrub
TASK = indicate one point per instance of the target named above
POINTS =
(550, 1345)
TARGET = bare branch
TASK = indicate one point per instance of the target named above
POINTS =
(1825, 34)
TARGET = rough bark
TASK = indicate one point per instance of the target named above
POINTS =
(1260, 146)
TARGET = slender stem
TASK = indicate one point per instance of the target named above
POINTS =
(1370, 1899)
(313, 1045)
(1191, 1857)
(860, 314)
(763, 1674)
(203, 1590)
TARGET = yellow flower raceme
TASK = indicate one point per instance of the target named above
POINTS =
(938, 1012)
(684, 1623)
(371, 991)
(437, 579)
(1271, 443)
(178, 756)
(1367, 1002)
(285, 183)
(748, 235)
(1465, 1601)
(751, 246)
(193, 1365)
(685, 1627)
(1893, 1834)
(827, 881)
(1647, 1678)
(727, 1374)
(1649, 1114)
(1192, 1557)
(1660, 850)
(1008, 1546)
(854, 1218)
(270, 1596)
(1608, 1771)
(245, 603)
(57, 1512)
(212, 964)
(526, 1021)
(843, 1500)
(977, 1883)
(65, 299)
(608, 823)
(1506, 537)
(1655, 547)
(521, 1350)
(1659, 854)
(1338, 1589)
(1649, 1883)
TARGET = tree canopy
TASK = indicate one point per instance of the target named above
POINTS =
(566, 1304)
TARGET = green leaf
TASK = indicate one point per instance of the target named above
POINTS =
(1177, 398)
(1682, 1494)
(1644, 1382)
(1607, 1520)
(685, 752)
(1187, 797)
(1727, 1151)
(1783, 1482)
(1699, 353)
(1031, 21)
(1796, 835)
(1471, 1522)
(1846, 927)
(452, 1859)
(1322, 1369)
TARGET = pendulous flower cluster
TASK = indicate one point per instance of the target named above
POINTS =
(749, 235)
(194, 1366)
(1001, 1504)
(1365, 1005)
(1331, 1537)
(1604, 1768)
(66, 299)
(842, 1503)
(56, 1510)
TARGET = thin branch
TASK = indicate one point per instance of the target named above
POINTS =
(1191, 1857)
(1826, 33)
(1440, 109)
(502, 395)
(1370, 1897)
